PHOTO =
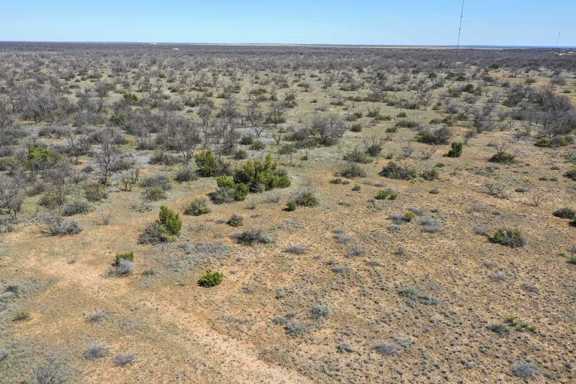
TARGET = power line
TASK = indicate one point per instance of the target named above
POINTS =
(460, 26)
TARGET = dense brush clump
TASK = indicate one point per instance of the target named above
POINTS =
(395, 171)
(509, 237)
(210, 166)
(166, 228)
(211, 279)
(197, 207)
(434, 136)
(253, 176)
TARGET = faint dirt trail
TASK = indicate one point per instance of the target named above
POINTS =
(229, 360)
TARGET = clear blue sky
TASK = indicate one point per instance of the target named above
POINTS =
(487, 22)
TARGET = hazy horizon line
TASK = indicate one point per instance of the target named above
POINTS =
(288, 44)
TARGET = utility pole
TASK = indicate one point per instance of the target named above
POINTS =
(460, 26)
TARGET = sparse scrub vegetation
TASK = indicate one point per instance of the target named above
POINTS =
(429, 169)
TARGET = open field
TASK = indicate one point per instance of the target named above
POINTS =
(335, 214)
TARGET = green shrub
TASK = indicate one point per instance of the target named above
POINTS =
(154, 194)
(455, 150)
(395, 171)
(565, 213)
(60, 227)
(351, 171)
(374, 149)
(571, 174)
(158, 181)
(128, 256)
(406, 124)
(76, 207)
(356, 127)
(53, 199)
(509, 237)
(229, 194)
(291, 206)
(225, 182)
(40, 158)
(247, 140)
(430, 174)
(257, 146)
(287, 149)
(261, 172)
(171, 220)
(254, 236)
(95, 192)
(235, 221)
(211, 279)
(185, 174)
(165, 229)
(357, 156)
(253, 176)
(386, 194)
(209, 165)
(555, 142)
(434, 136)
(305, 199)
(502, 157)
(240, 154)
(197, 207)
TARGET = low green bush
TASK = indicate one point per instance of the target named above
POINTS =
(434, 136)
(253, 176)
(399, 172)
(167, 228)
(508, 237)
(305, 199)
(502, 157)
(351, 171)
(386, 194)
(197, 207)
(455, 150)
(211, 279)
(154, 194)
(565, 213)
(254, 236)
(210, 166)
(357, 156)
